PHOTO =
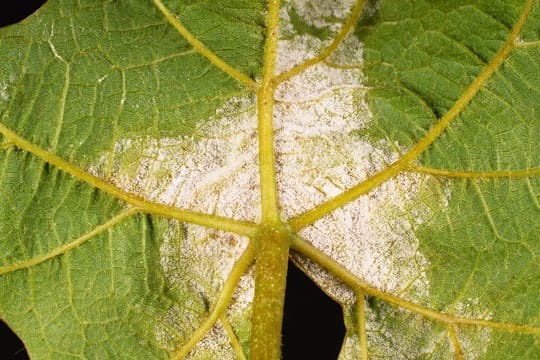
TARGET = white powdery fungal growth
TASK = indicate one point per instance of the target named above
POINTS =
(3, 92)
(213, 171)
(5, 86)
(318, 156)
(473, 341)
(398, 334)
(323, 13)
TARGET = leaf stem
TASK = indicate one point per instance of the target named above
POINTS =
(202, 49)
(273, 253)
(270, 283)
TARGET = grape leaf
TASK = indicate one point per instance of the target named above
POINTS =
(147, 148)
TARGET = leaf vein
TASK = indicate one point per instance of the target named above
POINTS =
(209, 220)
(239, 269)
(327, 51)
(202, 49)
(455, 341)
(306, 249)
(68, 246)
(473, 174)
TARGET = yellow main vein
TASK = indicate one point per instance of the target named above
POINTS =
(354, 282)
(202, 49)
(208, 220)
(265, 107)
(349, 25)
(68, 246)
(321, 210)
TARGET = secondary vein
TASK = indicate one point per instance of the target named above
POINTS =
(474, 174)
(308, 250)
(68, 246)
(203, 50)
(346, 29)
(217, 222)
(218, 309)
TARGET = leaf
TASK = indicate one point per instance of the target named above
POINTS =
(137, 146)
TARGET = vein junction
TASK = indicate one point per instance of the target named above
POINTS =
(271, 92)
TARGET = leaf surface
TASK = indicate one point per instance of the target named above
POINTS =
(133, 181)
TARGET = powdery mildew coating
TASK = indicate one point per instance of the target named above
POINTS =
(5, 87)
(472, 339)
(4, 96)
(399, 334)
(213, 171)
(323, 13)
(318, 156)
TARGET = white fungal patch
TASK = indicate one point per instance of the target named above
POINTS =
(374, 238)
(204, 256)
(323, 13)
(213, 171)
(3, 92)
(5, 86)
(399, 334)
(473, 340)
(319, 155)
(214, 345)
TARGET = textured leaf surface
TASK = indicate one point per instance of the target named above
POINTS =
(407, 165)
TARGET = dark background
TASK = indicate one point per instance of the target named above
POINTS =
(313, 324)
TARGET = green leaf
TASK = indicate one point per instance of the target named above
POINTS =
(157, 163)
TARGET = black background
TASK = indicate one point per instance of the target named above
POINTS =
(313, 325)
